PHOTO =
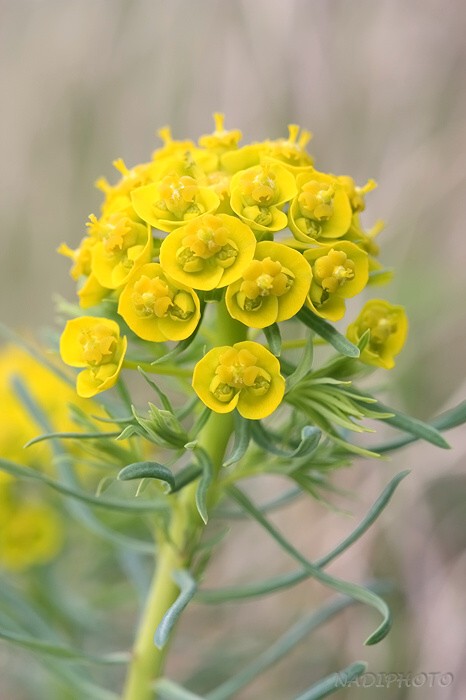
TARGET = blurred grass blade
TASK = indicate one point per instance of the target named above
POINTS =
(169, 690)
(279, 649)
(242, 439)
(71, 436)
(108, 503)
(65, 468)
(445, 421)
(336, 681)
(274, 339)
(328, 333)
(204, 482)
(187, 586)
(351, 589)
(61, 651)
(35, 353)
(252, 590)
(147, 470)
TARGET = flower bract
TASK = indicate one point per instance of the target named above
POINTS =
(95, 345)
(388, 327)
(245, 376)
(272, 288)
(156, 308)
(210, 252)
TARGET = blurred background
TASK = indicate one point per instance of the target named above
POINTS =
(382, 87)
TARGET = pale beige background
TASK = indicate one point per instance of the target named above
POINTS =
(381, 83)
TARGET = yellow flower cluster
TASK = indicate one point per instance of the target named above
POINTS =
(216, 216)
(30, 531)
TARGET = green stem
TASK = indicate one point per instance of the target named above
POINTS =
(176, 549)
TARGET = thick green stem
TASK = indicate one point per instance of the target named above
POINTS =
(175, 550)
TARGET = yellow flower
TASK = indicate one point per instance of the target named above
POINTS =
(221, 141)
(81, 257)
(290, 152)
(125, 242)
(171, 147)
(356, 194)
(211, 251)
(321, 209)
(50, 392)
(338, 272)
(272, 288)
(156, 308)
(130, 179)
(94, 344)
(173, 201)
(388, 326)
(245, 376)
(32, 534)
(92, 292)
(258, 195)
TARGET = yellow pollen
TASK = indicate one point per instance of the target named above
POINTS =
(264, 277)
(151, 297)
(98, 345)
(237, 370)
(316, 200)
(333, 270)
(178, 193)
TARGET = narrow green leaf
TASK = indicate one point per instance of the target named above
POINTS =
(181, 346)
(130, 431)
(188, 587)
(310, 436)
(278, 649)
(352, 590)
(186, 476)
(253, 590)
(335, 681)
(162, 396)
(445, 421)
(371, 516)
(200, 422)
(274, 339)
(451, 418)
(414, 426)
(147, 470)
(328, 333)
(269, 506)
(72, 436)
(304, 365)
(204, 482)
(364, 339)
(169, 690)
(242, 439)
(380, 277)
(109, 503)
(62, 651)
